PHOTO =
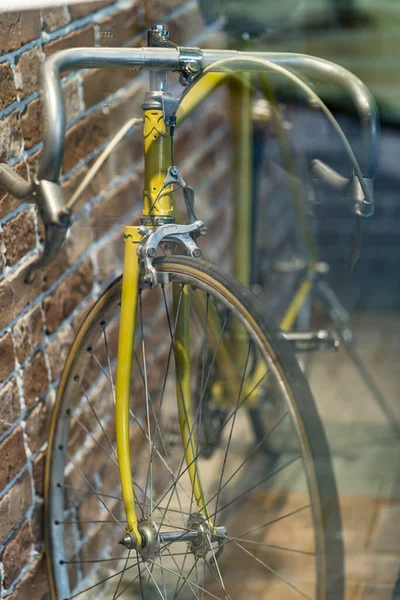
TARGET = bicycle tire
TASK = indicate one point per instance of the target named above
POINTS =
(324, 508)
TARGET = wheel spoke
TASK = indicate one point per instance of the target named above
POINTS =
(220, 429)
(108, 361)
(219, 577)
(149, 478)
(289, 514)
(231, 429)
(122, 574)
(86, 396)
(86, 430)
(260, 443)
(185, 578)
(261, 481)
(198, 535)
(274, 547)
(94, 491)
(91, 587)
(291, 585)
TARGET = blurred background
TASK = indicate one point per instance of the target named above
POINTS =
(357, 390)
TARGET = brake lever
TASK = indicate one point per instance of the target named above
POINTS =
(49, 198)
(350, 188)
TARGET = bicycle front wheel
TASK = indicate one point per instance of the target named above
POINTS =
(263, 528)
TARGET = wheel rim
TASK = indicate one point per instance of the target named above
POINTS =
(66, 528)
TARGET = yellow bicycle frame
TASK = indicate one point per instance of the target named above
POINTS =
(157, 160)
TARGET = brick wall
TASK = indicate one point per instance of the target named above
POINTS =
(38, 322)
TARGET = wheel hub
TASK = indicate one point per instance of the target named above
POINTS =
(199, 536)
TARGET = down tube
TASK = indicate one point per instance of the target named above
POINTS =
(126, 341)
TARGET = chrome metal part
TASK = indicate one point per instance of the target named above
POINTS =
(198, 535)
(179, 59)
(14, 183)
(168, 107)
(163, 59)
(49, 197)
(337, 313)
(150, 547)
(350, 188)
(305, 341)
(190, 63)
(296, 264)
(148, 247)
(200, 544)
(150, 220)
(158, 36)
(174, 177)
(331, 73)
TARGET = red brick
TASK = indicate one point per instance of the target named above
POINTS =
(55, 18)
(10, 136)
(15, 294)
(32, 164)
(186, 25)
(37, 424)
(37, 525)
(32, 124)
(81, 315)
(38, 472)
(13, 456)
(82, 9)
(79, 238)
(7, 201)
(93, 188)
(116, 204)
(68, 296)
(18, 28)
(7, 358)
(27, 71)
(14, 505)
(82, 38)
(33, 584)
(57, 351)
(28, 333)
(10, 32)
(8, 93)
(16, 554)
(155, 10)
(108, 256)
(35, 379)
(99, 84)
(55, 269)
(117, 29)
(19, 236)
(84, 137)
(30, 26)
(72, 106)
(9, 405)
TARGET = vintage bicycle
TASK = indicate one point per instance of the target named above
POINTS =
(155, 485)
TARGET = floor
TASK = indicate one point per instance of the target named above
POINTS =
(366, 452)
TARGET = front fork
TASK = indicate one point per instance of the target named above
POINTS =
(180, 332)
(126, 344)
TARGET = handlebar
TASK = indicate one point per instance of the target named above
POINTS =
(47, 192)
(175, 59)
